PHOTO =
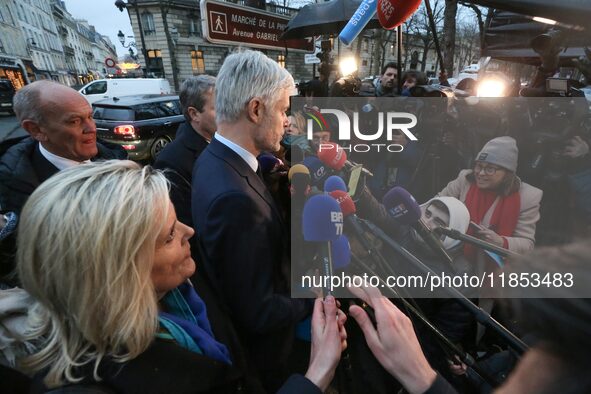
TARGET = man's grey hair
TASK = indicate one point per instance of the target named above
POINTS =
(193, 91)
(244, 75)
(27, 101)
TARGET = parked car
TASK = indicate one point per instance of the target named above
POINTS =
(109, 88)
(6, 94)
(142, 124)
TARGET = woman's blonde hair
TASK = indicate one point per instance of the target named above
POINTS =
(86, 243)
(300, 121)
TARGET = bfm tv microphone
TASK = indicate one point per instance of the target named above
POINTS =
(405, 209)
(348, 208)
(322, 222)
(335, 157)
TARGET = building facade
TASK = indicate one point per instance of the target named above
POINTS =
(39, 39)
(171, 44)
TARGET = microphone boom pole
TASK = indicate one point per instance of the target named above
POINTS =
(481, 316)
(455, 234)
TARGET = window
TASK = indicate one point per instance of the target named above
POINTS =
(197, 62)
(148, 111)
(170, 108)
(108, 113)
(2, 16)
(148, 23)
(153, 53)
(281, 60)
(194, 25)
(96, 88)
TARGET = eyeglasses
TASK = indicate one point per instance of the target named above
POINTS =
(488, 170)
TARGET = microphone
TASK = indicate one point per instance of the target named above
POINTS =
(348, 208)
(299, 177)
(318, 171)
(322, 222)
(366, 10)
(333, 183)
(335, 157)
(455, 234)
(392, 13)
(269, 163)
(404, 208)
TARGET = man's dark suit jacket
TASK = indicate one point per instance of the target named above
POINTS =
(179, 156)
(247, 254)
(22, 169)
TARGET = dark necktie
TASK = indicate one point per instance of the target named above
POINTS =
(260, 174)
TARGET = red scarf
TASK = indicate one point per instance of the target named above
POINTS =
(503, 220)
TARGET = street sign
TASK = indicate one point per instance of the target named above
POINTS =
(228, 23)
(311, 58)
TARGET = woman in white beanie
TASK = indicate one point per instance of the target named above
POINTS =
(504, 208)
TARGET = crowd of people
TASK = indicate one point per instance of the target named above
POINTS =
(175, 277)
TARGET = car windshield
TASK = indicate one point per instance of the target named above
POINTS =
(111, 113)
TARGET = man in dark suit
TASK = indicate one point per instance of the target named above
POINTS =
(62, 134)
(197, 98)
(243, 236)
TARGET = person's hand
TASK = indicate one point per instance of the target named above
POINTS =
(458, 368)
(329, 339)
(394, 343)
(576, 147)
(490, 236)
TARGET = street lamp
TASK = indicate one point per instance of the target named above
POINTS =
(121, 38)
(121, 5)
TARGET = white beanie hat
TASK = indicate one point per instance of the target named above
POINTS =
(501, 151)
(459, 218)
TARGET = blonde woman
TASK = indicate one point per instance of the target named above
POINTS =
(102, 252)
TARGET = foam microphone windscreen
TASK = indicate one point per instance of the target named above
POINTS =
(268, 162)
(333, 183)
(298, 169)
(322, 219)
(402, 206)
(318, 171)
(345, 202)
(332, 155)
(340, 251)
(392, 13)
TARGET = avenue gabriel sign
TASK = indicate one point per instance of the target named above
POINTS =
(228, 23)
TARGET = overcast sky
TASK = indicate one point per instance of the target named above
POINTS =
(106, 18)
